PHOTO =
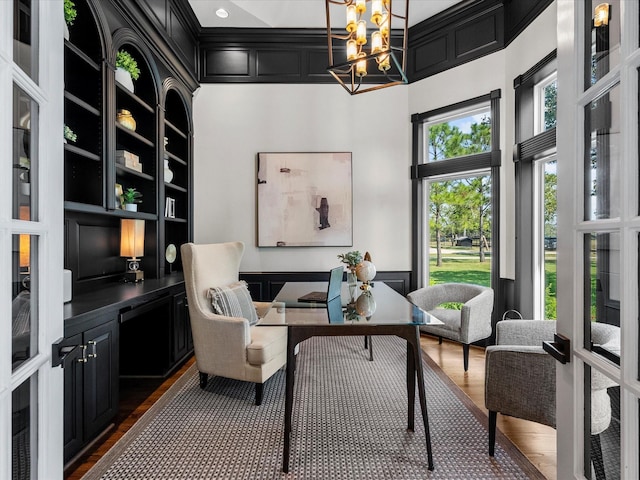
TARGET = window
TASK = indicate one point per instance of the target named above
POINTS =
(455, 195)
(536, 188)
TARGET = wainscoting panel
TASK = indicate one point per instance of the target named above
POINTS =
(264, 286)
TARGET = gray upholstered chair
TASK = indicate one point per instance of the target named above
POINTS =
(520, 378)
(468, 325)
(228, 346)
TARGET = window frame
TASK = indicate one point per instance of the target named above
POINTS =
(530, 149)
(422, 170)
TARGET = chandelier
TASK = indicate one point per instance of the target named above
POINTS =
(364, 43)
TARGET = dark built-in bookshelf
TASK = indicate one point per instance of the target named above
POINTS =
(122, 329)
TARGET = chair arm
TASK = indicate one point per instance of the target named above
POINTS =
(219, 341)
(475, 317)
(520, 381)
(524, 332)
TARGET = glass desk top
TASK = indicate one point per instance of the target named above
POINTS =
(381, 305)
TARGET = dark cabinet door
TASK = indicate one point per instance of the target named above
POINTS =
(182, 341)
(73, 394)
(100, 377)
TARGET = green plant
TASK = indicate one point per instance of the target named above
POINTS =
(351, 258)
(70, 12)
(127, 62)
(69, 134)
(131, 195)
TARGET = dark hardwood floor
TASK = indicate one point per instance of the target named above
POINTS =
(537, 442)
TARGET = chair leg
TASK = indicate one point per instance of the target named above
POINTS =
(203, 380)
(259, 390)
(596, 457)
(366, 342)
(493, 417)
(465, 354)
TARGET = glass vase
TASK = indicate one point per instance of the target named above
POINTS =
(352, 282)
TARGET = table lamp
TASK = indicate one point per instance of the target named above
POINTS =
(132, 246)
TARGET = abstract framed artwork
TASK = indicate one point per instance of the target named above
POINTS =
(305, 199)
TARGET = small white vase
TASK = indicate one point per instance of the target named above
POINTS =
(124, 78)
(132, 207)
(168, 173)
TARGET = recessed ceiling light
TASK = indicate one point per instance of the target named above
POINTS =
(222, 13)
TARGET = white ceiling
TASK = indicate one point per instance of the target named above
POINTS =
(293, 13)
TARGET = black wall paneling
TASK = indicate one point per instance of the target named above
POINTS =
(169, 29)
(465, 32)
(264, 286)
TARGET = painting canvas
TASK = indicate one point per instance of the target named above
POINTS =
(305, 199)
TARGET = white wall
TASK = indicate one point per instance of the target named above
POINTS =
(235, 122)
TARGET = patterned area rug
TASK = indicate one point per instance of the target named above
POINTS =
(349, 422)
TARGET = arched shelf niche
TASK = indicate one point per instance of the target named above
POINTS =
(177, 158)
(84, 106)
(136, 121)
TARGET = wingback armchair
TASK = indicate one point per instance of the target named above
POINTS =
(520, 378)
(228, 346)
(467, 325)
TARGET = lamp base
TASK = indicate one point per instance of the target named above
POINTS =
(134, 276)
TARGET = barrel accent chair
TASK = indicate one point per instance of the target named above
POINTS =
(224, 345)
(467, 325)
(520, 379)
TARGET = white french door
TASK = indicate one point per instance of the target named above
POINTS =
(31, 237)
(598, 238)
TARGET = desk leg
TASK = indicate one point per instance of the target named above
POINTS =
(423, 399)
(411, 387)
(288, 402)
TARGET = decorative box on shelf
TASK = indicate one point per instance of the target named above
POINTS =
(129, 160)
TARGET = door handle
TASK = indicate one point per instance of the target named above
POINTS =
(560, 348)
(59, 351)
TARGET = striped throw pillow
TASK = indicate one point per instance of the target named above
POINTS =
(233, 300)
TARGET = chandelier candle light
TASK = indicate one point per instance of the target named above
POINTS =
(366, 48)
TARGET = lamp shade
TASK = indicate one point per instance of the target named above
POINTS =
(131, 238)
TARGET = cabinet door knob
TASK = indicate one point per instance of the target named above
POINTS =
(94, 349)
(83, 358)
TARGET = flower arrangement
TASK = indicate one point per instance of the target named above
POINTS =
(125, 61)
(70, 12)
(351, 259)
(131, 195)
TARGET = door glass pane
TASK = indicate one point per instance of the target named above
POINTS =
(460, 230)
(602, 426)
(23, 305)
(25, 113)
(23, 429)
(550, 217)
(464, 134)
(604, 37)
(25, 47)
(602, 294)
(602, 156)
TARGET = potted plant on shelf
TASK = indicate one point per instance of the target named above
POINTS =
(69, 134)
(70, 14)
(126, 69)
(131, 197)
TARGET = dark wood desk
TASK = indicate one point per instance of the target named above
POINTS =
(392, 315)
